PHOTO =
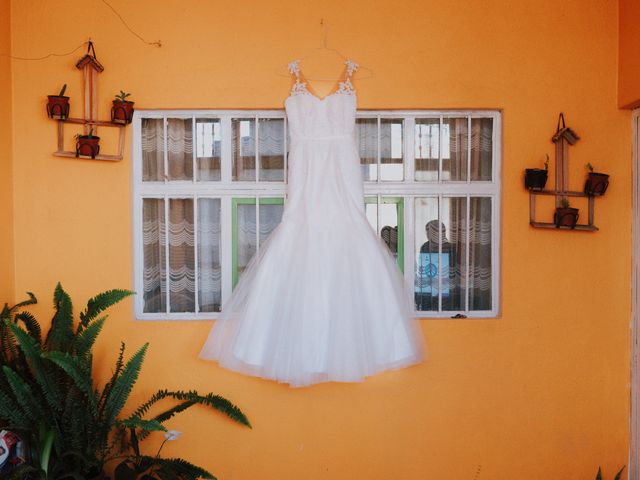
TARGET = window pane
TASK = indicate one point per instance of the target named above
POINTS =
(480, 233)
(428, 263)
(244, 149)
(271, 136)
(209, 270)
(152, 141)
(367, 138)
(270, 217)
(246, 236)
(454, 245)
(391, 153)
(180, 148)
(181, 256)
(153, 251)
(208, 149)
(427, 149)
(481, 148)
(386, 220)
(454, 151)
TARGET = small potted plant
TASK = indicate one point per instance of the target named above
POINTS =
(565, 216)
(536, 178)
(596, 183)
(122, 110)
(58, 105)
(87, 145)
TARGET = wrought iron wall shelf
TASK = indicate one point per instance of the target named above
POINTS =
(563, 138)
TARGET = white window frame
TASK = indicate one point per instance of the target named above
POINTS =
(226, 189)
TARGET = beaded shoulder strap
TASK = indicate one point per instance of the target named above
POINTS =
(298, 86)
(347, 86)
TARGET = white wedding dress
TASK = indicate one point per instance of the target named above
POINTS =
(324, 299)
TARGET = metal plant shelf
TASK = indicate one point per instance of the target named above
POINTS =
(563, 139)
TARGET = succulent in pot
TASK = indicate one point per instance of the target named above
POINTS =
(58, 105)
(122, 109)
(536, 178)
(596, 183)
(566, 216)
(87, 145)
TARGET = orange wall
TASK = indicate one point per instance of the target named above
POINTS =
(6, 184)
(540, 392)
(628, 60)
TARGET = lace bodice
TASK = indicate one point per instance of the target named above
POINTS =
(310, 116)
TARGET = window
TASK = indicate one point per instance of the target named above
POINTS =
(209, 187)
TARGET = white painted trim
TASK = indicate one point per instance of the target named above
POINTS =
(226, 189)
(633, 471)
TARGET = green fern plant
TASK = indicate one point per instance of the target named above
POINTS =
(617, 477)
(72, 426)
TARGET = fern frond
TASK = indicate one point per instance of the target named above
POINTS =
(23, 395)
(101, 302)
(123, 385)
(43, 374)
(31, 324)
(11, 413)
(84, 341)
(167, 414)
(180, 468)
(109, 385)
(32, 301)
(61, 332)
(145, 425)
(156, 397)
(79, 372)
(619, 474)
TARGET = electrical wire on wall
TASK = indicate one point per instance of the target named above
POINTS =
(157, 43)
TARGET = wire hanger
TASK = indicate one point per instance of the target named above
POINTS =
(364, 72)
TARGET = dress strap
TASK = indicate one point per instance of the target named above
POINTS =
(298, 86)
(346, 86)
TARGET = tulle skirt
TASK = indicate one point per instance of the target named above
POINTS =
(324, 300)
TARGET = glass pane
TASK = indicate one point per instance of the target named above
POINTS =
(367, 138)
(152, 140)
(454, 246)
(246, 236)
(180, 148)
(244, 149)
(271, 141)
(209, 270)
(454, 149)
(208, 145)
(391, 167)
(480, 274)
(153, 250)
(383, 219)
(481, 148)
(427, 260)
(427, 149)
(181, 256)
(270, 217)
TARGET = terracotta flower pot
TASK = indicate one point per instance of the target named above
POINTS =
(58, 107)
(596, 184)
(535, 178)
(88, 146)
(122, 111)
(566, 217)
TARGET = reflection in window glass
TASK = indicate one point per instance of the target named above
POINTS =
(386, 219)
(427, 149)
(208, 149)
(481, 148)
(244, 149)
(455, 150)
(391, 166)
